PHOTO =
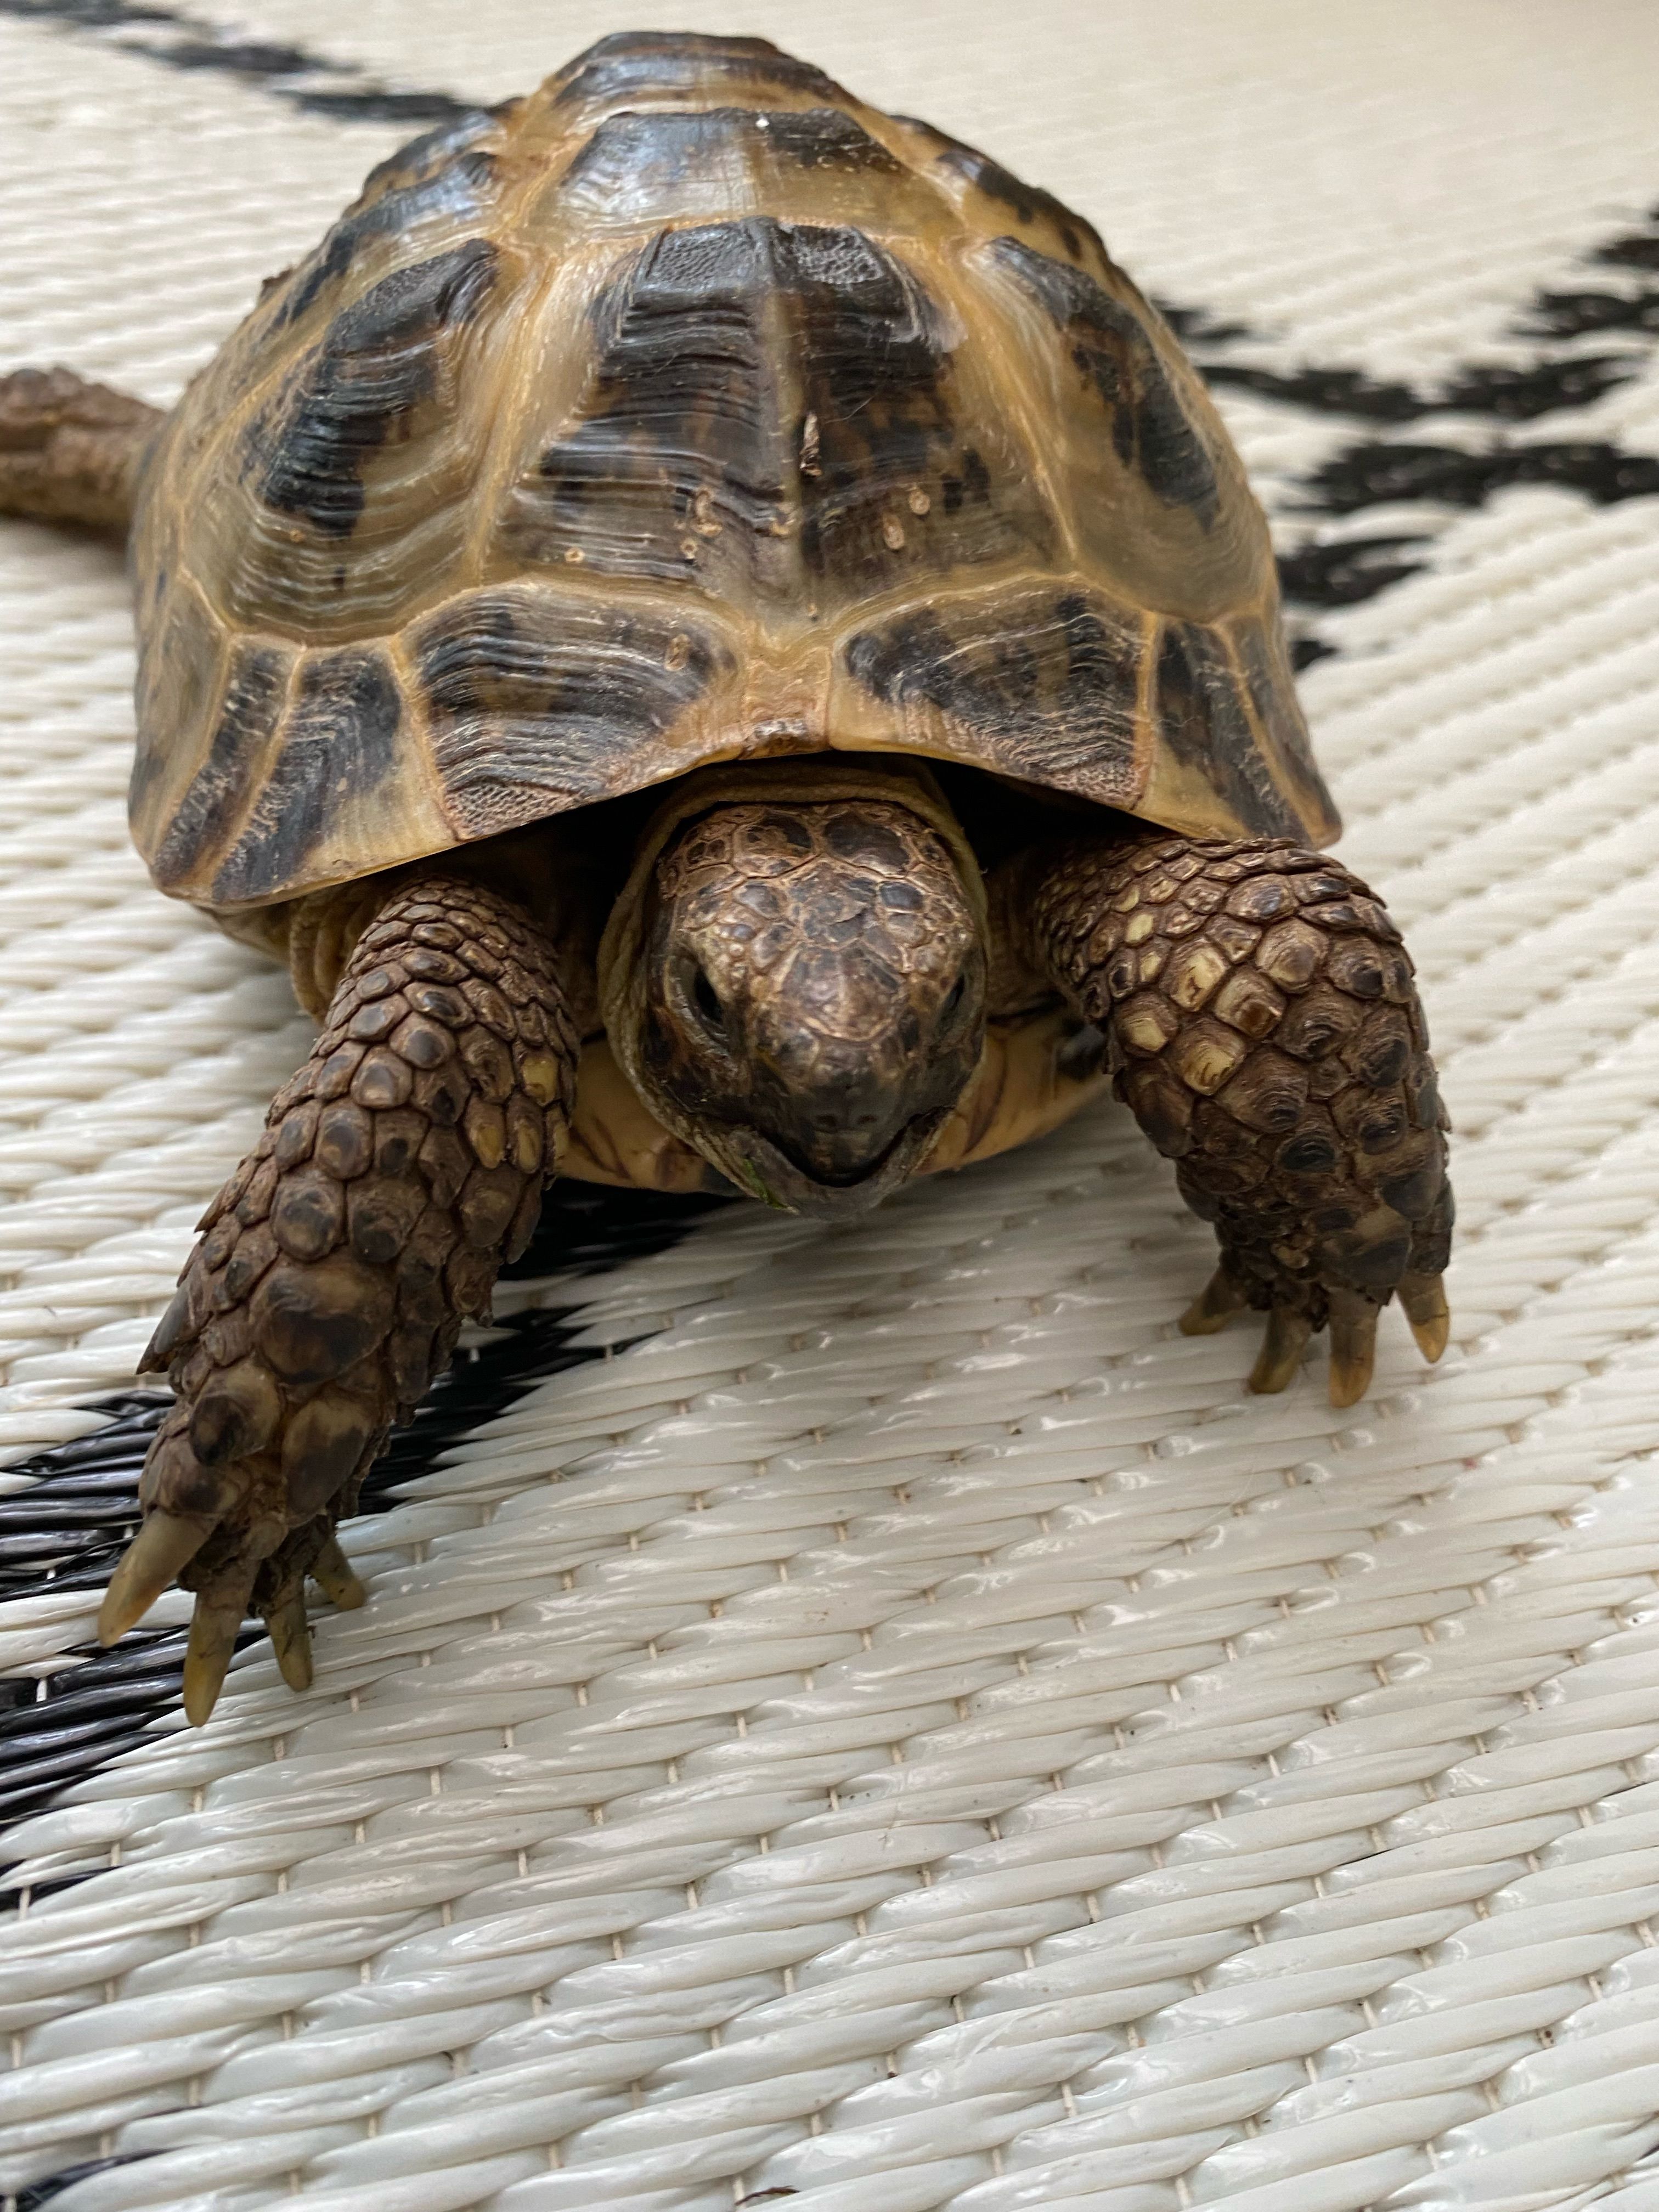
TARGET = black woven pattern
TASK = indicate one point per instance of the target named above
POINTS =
(67, 1529)
(179, 41)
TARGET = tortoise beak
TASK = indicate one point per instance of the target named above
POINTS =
(754, 1163)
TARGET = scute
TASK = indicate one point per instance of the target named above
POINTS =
(1151, 432)
(682, 410)
(359, 385)
(1038, 682)
(537, 700)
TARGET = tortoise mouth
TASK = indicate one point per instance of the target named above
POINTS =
(759, 1165)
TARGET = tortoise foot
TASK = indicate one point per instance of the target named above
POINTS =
(396, 1171)
(1351, 1318)
(1266, 1030)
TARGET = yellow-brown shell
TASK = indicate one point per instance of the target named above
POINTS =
(685, 410)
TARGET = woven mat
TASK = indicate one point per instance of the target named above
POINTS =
(897, 1728)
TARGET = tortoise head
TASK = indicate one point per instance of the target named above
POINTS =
(814, 996)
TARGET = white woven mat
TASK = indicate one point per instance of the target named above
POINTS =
(912, 1734)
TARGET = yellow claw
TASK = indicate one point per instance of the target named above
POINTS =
(213, 1630)
(1281, 1351)
(290, 1639)
(333, 1577)
(1354, 1346)
(1424, 1299)
(166, 1542)
(1214, 1306)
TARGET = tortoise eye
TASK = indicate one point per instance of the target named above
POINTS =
(958, 992)
(706, 998)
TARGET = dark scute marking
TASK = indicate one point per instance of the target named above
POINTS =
(526, 692)
(339, 746)
(1046, 687)
(455, 190)
(634, 155)
(628, 63)
(1202, 719)
(1375, 475)
(685, 402)
(371, 366)
(253, 701)
(1151, 429)
(680, 401)
(827, 138)
(1025, 203)
(874, 368)
(433, 150)
(1274, 700)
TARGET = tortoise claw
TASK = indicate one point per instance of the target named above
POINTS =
(1354, 1346)
(165, 1543)
(214, 1627)
(332, 1572)
(1214, 1306)
(1288, 1331)
(290, 1639)
(1424, 1299)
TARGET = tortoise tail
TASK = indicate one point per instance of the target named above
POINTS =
(69, 451)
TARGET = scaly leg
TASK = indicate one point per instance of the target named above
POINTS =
(1266, 1031)
(396, 1171)
(69, 451)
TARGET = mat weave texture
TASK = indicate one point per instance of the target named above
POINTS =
(899, 1729)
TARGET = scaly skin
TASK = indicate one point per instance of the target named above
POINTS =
(1266, 1031)
(396, 1171)
(69, 450)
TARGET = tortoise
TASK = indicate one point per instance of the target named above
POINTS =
(719, 637)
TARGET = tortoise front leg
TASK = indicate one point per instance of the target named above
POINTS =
(395, 1172)
(1264, 1030)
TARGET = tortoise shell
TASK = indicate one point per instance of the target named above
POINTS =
(689, 409)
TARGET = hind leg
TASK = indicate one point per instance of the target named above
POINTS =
(69, 451)
(398, 1171)
(1266, 1031)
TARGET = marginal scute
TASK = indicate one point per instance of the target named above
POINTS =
(538, 702)
(1204, 719)
(1039, 683)
(686, 409)
(427, 155)
(337, 750)
(1032, 209)
(248, 714)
